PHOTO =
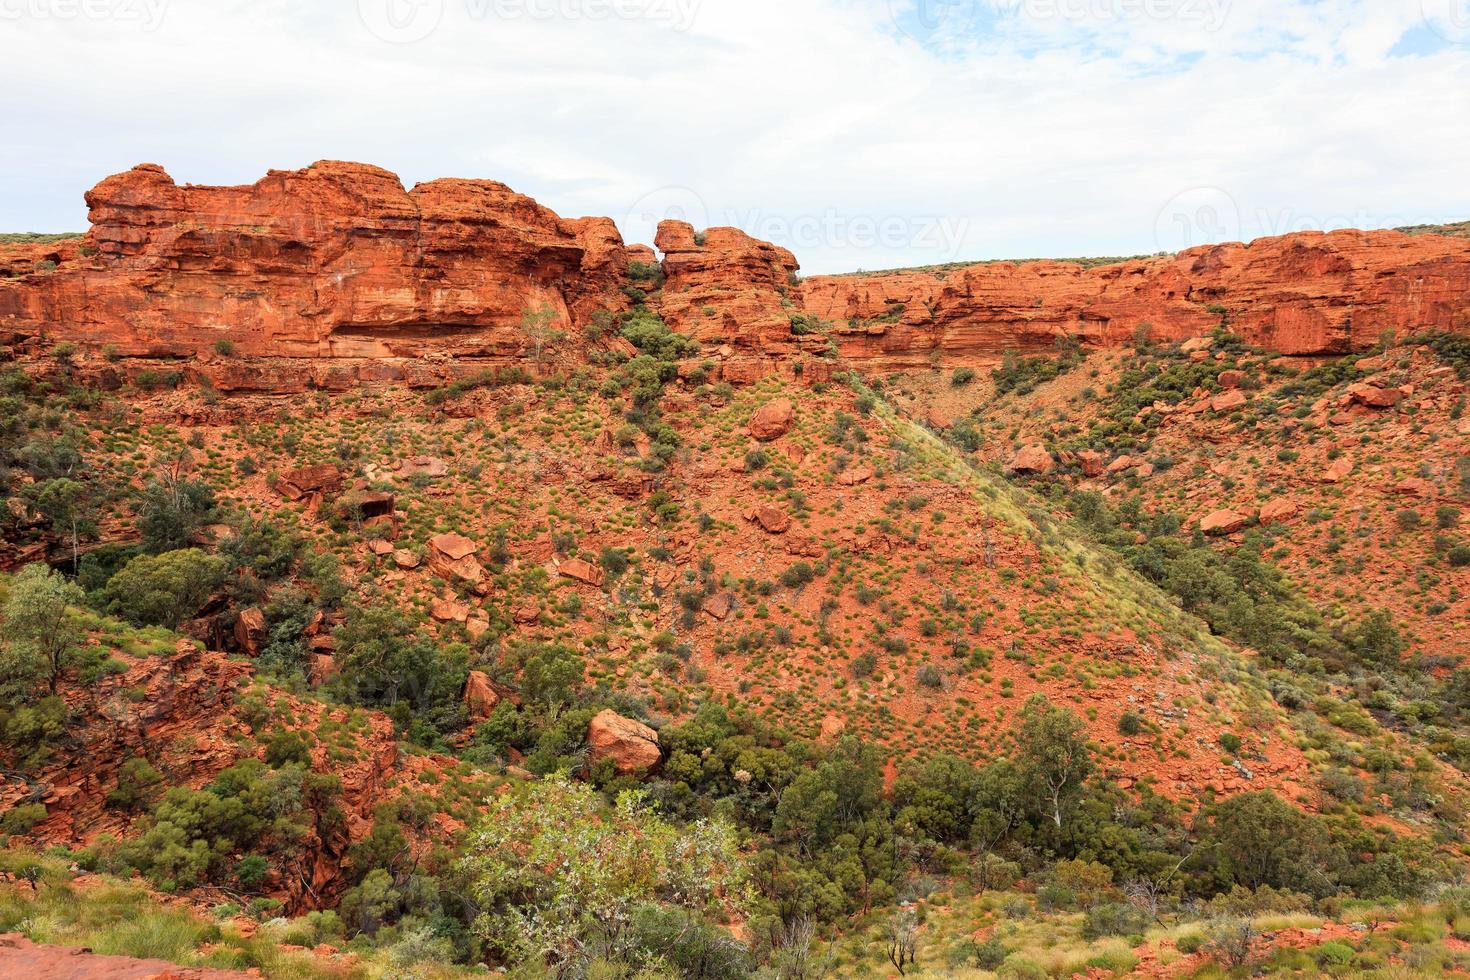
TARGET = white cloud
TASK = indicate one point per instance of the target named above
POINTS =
(868, 133)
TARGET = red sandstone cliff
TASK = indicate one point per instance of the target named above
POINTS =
(335, 275)
(336, 260)
(1299, 294)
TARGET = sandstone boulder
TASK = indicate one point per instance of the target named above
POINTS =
(480, 696)
(773, 520)
(449, 611)
(1340, 470)
(772, 420)
(1228, 402)
(251, 632)
(1223, 522)
(1231, 379)
(582, 571)
(453, 557)
(308, 480)
(1279, 510)
(1374, 397)
(718, 606)
(1092, 462)
(1032, 459)
(632, 746)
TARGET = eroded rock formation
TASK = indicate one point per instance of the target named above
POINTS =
(1307, 293)
(333, 261)
(335, 275)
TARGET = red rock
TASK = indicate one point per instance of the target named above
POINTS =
(773, 520)
(632, 746)
(1121, 464)
(406, 560)
(1299, 294)
(1277, 511)
(1032, 459)
(1374, 397)
(1092, 463)
(295, 484)
(1223, 522)
(1228, 402)
(449, 611)
(745, 281)
(480, 696)
(1338, 471)
(428, 467)
(453, 557)
(1230, 380)
(1415, 487)
(855, 476)
(772, 420)
(336, 260)
(251, 632)
(718, 606)
(323, 668)
(582, 571)
(453, 546)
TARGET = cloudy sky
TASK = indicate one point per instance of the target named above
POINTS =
(859, 133)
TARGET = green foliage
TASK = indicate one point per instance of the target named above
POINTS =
(499, 377)
(41, 635)
(171, 509)
(1022, 375)
(138, 786)
(1053, 756)
(555, 870)
(163, 589)
(385, 662)
(191, 834)
(552, 676)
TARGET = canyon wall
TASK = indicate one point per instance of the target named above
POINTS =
(336, 275)
(1301, 294)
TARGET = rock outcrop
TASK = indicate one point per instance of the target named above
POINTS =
(1300, 294)
(772, 420)
(334, 261)
(335, 275)
(631, 745)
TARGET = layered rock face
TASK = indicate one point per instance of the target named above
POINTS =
(335, 275)
(334, 261)
(1301, 294)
